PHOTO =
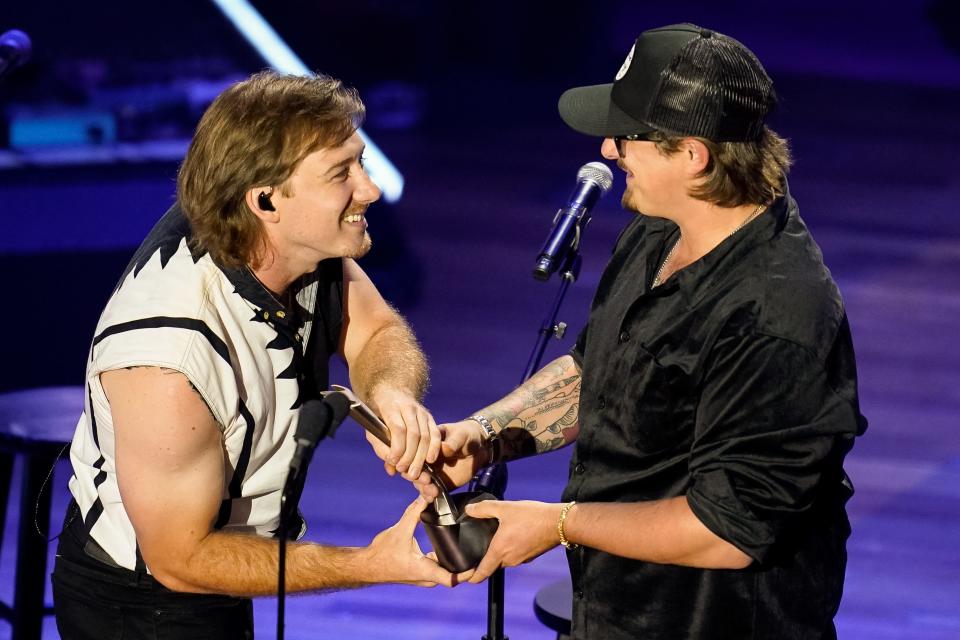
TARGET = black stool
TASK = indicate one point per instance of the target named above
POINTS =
(35, 424)
(553, 605)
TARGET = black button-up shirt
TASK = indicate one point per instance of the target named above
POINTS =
(734, 384)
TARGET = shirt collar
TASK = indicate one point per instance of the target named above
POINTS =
(266, 306)
(696, 279)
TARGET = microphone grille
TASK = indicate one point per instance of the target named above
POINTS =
(314, 414)
(339, 403)
(598, 173)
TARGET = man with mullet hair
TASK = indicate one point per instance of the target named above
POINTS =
(219, 330)
(711, 397)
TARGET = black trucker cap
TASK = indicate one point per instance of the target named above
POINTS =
(681, 80)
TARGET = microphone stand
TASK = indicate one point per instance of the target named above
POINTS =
(282, 570)
(289, 499)
(493, 479)
(292, 489)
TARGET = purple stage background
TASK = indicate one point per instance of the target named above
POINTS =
(462, 99)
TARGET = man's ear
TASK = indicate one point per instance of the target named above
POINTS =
(696, 154)
(259, 201)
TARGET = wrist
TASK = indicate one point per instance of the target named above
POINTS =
(366, 564)
(489, 438)
(383, 392)
(563, 525)
(385, 388)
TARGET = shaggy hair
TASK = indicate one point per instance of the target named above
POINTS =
(256, 133)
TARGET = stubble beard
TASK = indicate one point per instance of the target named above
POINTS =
(628, 201)
(365, 245)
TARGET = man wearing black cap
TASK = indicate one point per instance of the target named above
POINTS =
(712, 395)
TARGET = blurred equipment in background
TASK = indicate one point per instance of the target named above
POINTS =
(15, 50)
(91, 133)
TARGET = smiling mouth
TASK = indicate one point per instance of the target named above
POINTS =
(352, 218)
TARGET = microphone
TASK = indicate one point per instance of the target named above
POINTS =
(318, 418)
(593, 180)
(15, 49)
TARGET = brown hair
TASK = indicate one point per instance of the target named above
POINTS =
(256, 133)
(738, 173)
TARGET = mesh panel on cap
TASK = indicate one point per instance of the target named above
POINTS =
(715, 89)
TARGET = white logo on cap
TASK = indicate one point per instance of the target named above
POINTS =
(626, 64)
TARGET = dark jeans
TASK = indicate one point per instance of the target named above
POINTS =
(96, 601)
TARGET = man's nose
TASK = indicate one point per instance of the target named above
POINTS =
(608, 149)
(367, 191)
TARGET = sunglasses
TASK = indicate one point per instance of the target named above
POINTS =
(619, 140)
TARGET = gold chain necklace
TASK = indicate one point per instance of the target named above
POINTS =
(656, 279)
(288, 296)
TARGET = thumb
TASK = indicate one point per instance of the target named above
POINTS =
(411, 516)
(453, 441)
(484, 509)
(379, 448)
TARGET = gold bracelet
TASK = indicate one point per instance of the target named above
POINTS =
(563, 516)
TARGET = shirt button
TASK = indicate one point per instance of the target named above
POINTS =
(624, 336)
(578, 594)
(601, 402)
(579, 468)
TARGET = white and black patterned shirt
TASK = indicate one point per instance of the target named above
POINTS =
(253, 362)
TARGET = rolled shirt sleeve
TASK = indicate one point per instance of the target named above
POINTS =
(769, 431)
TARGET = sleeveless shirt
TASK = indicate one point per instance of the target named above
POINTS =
(253, 360)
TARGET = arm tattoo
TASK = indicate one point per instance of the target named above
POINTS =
(550, 406)
(542, 414)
